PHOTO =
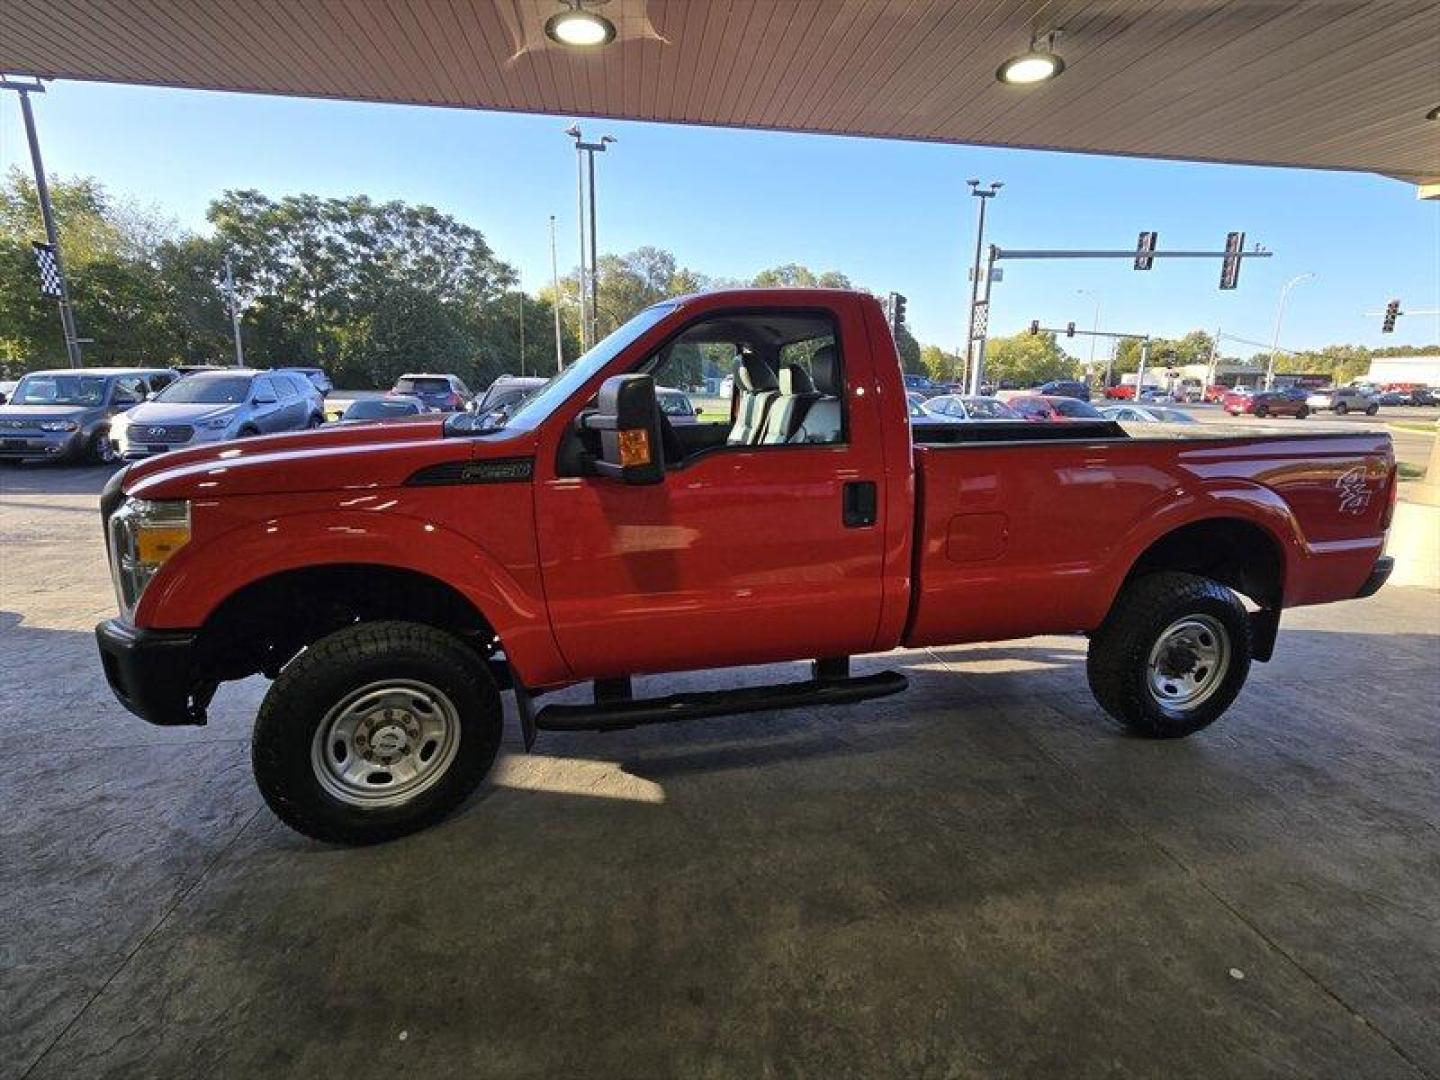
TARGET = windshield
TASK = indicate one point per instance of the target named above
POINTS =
(674, 404)
(60, 390)
(989, 409)
(228, 390)
(422, 386)
(548, 397)
(377, 408)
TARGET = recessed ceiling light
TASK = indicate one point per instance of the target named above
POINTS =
(1035, 66)
(579, 28)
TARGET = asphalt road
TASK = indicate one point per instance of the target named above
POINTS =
(979, 877)
(1412, 447)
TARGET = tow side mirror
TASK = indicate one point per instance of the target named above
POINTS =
(627, 416)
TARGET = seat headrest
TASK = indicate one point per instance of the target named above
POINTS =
(755, 375)
(825, 367)
(794, 380)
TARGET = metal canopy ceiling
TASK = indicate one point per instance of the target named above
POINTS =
(1319, 83)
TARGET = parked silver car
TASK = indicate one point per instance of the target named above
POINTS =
(969, 407)
(69, 414)
(1344, 399)
(212, 406)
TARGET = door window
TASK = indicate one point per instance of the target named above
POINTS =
(784, 370)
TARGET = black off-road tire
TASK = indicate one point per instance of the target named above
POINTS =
(1372, 410)
(321, 677)
(1341, 408)
(1261, 412)
(1302, 412)
(1117, 664)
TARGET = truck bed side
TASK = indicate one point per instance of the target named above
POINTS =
(1019, 538)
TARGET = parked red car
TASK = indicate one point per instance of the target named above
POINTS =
(395, 579)
(1287, 402)
(1050, 407)
(1216, 392)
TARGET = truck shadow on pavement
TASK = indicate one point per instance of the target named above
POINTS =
(800, 867)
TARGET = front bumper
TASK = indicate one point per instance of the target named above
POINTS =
(132, 446)
(152, 673)
(1379, 574)
(58, 445)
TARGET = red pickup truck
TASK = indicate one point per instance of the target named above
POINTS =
(393, 579)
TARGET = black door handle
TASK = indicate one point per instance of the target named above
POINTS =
(858, 504)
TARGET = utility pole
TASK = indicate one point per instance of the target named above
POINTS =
(520, 295)
(976, 351)
(1144, 362)
(590, 325)
(234, 313)
(555, 306)
(47, 215)
(1279, 317)
(1095, 326)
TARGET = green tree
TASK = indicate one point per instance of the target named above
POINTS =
(940, 365)
(911, 361)
(1027, 359)
(794, 275)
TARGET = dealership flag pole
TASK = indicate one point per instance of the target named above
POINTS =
(42, 190)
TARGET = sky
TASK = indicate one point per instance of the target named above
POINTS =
(894, 216)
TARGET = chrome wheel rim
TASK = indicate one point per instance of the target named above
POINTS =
(385, 743)
(1188, 662)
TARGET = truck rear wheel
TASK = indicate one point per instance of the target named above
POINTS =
(375, 731)
(1172, 654)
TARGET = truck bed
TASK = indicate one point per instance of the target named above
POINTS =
(1027, 528)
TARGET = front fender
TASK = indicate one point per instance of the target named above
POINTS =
(213, 567)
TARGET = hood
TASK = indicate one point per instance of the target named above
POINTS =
(37, 414)
(176, 412)
(334, 458)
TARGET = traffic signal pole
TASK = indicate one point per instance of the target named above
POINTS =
(1142, 256)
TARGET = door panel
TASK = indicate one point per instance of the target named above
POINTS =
(741, 557)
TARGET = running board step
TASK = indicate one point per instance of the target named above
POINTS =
(701, 704)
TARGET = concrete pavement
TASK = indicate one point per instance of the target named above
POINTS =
(978, 877)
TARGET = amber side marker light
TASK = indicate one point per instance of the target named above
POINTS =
(634, 447)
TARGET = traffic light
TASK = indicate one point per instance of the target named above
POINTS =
(1230, 267)
(1069, 329)
(1143, 249)
(1034, 326)
(1392, 312)
(899, 311)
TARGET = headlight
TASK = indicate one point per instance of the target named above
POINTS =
(216, 423)
(143, 535)
(59, 425)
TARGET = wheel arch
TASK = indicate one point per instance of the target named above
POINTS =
(262, 624)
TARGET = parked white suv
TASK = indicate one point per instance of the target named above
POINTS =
(1343, 399)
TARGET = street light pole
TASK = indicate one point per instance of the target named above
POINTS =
(1095, 327)
(555, 306)
(1279, 318)
(588, 326)
(47, 215)
(975, 353)
(234, 313)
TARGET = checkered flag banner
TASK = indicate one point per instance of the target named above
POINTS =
(49, 272)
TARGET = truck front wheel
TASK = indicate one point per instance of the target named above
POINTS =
(1172, 654)
(375, 731)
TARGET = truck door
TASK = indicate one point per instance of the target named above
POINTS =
(760, 544)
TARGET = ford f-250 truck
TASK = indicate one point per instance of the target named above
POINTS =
(394, 579)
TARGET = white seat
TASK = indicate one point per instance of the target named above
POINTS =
(755, 389)
(823, 421)
(797, 395)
